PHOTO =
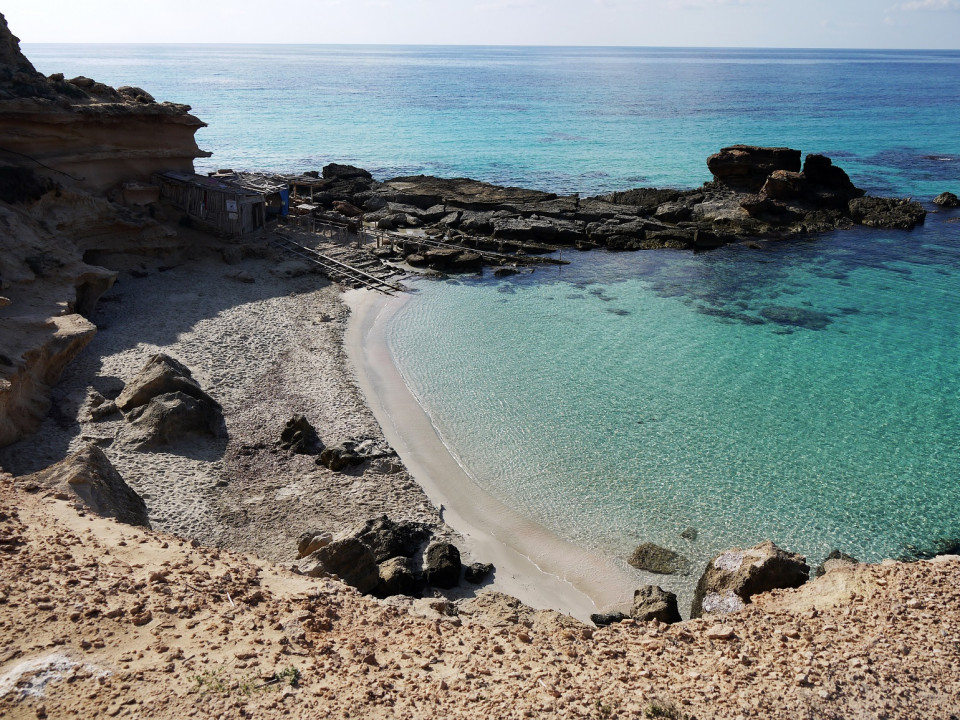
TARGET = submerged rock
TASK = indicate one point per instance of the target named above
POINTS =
(797, 317)
(733, 577)
(656, 559)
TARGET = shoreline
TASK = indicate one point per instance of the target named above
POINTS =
(531, 563)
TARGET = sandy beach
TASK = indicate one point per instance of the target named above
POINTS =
(532, 563)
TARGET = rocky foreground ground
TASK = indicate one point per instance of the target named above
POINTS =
(99, 619)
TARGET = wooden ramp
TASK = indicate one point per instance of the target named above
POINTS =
(336, 269)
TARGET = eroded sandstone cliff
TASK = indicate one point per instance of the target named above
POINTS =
(73, 159)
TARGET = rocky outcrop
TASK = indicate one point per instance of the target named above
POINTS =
(734, 576)
(348, 453)
(441, 567)
(396, 578)
(889, 213)
(160, 375)
(947, 200)
(745, 168)
(656, 559)
(477, 572)
(388, 539)
(651, 602)
(89, 475)
(346, 558)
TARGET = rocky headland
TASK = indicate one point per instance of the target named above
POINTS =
(200, 515)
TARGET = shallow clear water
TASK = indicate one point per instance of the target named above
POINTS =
(627, 397)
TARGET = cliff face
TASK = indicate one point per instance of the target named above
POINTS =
(84, 131)
(70, 152)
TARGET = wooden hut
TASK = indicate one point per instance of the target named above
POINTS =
(214, 203)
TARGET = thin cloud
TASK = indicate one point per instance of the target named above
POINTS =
(710, 3)
(935, 5)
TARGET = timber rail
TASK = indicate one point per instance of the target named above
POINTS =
(334, 269)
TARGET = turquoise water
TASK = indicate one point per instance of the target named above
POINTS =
(627, 397)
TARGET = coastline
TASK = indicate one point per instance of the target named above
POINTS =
(532, 564)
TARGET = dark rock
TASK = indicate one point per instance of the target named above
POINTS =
(345, 208)
(89, 475)
(689, 533)
(300, 436)
(441, 567)
(441, 258)
(656, 559)
(416, 260)
(834, 560)
(134, 93)
(348, 559)
(828, 183)
(387, 539)
(466, 262)
(733, 577)
(477, 572)
(604, 619)
(947, 200)
(797, 317)
(651, 602)
(673, 212)
(396, 578)
(169, 417)
(505, 271)
(82, 82)
(784, 185)
(161, 375)
(338, 457)
(649, 198)
(746, 167)
(889, 213)
(335, 171)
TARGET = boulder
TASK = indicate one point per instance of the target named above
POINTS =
(888, 213)
(604, 619)
(311, 541)
(656, 559)
(348, 559)
(338, 457)
(441, 258)
(465, 262)
(348, 209)
(441, 567)
(388, 539)
(745, 168)
(161, 375)
(784, 185)
(733, 577)
(833, 561)
(396, 578)
(300, 436)
(651, 602)
(828, 183)
(947, 200)
(335, 171)
(477, 572)
(169, 417)
(89, 475)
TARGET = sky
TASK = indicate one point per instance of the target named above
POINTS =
(882, 24)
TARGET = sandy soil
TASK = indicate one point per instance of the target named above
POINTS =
(99, 619)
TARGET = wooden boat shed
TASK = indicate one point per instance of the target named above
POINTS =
(219, 205)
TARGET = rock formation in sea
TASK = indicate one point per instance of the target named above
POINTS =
(75, 156)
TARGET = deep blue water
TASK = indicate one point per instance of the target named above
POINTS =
(627, 397)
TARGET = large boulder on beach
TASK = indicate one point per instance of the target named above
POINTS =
(441, 566)
(396, 578)
(745, 168)
(734, 576)
(162, 374)
(346, 558)
(170, 417)
(90, 476)
(299, 436)
(651, 602)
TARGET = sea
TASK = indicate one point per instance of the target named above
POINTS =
(655, 396)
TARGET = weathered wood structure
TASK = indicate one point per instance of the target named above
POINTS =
(219, 205)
